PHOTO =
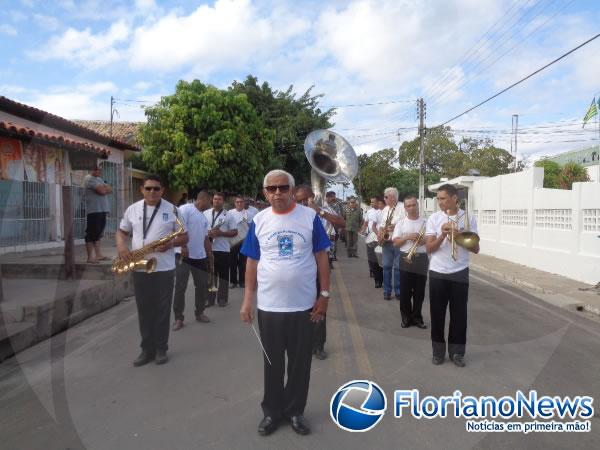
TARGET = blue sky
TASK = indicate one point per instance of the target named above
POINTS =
(68, 57)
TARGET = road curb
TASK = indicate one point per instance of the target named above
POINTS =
(511, 279)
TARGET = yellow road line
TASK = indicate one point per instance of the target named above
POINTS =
(362, 359)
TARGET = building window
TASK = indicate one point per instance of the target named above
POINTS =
(553, 219)
(514, 217)
(488, 217)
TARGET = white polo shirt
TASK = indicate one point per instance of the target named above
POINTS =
(371, 217)
(409, 226)
(244, 214)
(441, 260)
(197, 228)
(252, 211)
(284, 246)
(225, 222)
(163, 224)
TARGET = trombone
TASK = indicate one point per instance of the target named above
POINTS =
(467, 239)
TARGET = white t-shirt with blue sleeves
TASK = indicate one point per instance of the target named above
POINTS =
(284, 246)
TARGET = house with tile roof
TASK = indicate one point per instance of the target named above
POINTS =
(41, 154)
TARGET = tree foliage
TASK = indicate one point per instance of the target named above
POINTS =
(207, 137)
(562, 177)
(291, 118)
(377, 172)
(447, 158)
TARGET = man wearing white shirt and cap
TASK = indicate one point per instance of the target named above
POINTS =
(413, 274)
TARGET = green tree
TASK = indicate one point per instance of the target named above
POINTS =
(204, 136)
(373, 171)
(571, 173)
(439, 143)
(552, 172)
(291, 118)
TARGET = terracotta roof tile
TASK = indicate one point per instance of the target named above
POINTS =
(73, 144)
(123, 131)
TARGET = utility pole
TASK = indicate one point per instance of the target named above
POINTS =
(113, 112)
(515, 125)
(422, 112)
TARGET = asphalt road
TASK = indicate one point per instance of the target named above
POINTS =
(79, 390)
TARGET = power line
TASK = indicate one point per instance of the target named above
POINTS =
(357, 105)
(522, 80)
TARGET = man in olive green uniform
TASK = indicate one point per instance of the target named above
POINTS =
(354, 220)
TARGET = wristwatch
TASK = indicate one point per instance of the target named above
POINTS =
(325, 294)
(322, 213)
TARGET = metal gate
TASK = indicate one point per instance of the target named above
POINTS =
(24, 213)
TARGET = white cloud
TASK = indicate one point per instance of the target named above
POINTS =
(228, 35)
(8, 30)
(145, 4)
(47, 22)
(85, 48)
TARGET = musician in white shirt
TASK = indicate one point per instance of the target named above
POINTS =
(413, 274)
(237, 261)
(371, 218)
(448, 277)
(222, 226)
(390, 216)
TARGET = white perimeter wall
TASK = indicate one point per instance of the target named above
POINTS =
(554, 230)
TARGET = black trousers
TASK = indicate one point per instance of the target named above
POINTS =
(237, 266)
(413, 278)
(281, 333)
(222, 272)
(374, 265)
(95, 224)
(153, 296)
(449, 290)
(198, 269)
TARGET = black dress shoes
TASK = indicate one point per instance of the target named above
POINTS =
(377, 285)
(144, 358)
(320, 354)
(161, 357)
(299, 425)
(267, 426)
(437, 360)
(419, 324)
(458, 360)
(405, 323)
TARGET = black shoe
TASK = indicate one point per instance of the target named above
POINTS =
(397, 297)
(144, 358)
(378, 285)
(267, 426)
(387, 296)
(242, 285)
(299, 425)
(458, 360)
(405, 323)
(320, 354)
(161, 357)
(437, 360)
(419, 324)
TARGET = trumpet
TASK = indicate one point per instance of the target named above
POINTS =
(413, 249)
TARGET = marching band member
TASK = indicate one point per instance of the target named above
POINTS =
(448, 277)
(286, 248)
(194, 257)
(222, 226)
(371, 217)
(237, 268)
(149, 220)
(330, 219)
(389, 217)
(413, 273)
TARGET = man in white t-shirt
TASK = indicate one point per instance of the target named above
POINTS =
(305, 196)
(413, 274)
(249, 206)
(390, 216)
(149, 220)
(286, 248)
(221, 227)
(237, 268)
(194, 259)
(448, 277)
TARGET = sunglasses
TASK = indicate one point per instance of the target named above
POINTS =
(283, 188)
(152, 188)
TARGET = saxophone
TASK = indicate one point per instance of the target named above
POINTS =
(386, 235)
(136, 260)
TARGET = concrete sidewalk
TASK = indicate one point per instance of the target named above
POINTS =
(553, 288)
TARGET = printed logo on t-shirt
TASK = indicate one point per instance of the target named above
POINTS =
(165, 217)
(286, 245)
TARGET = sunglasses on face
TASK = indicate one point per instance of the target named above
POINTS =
(152, 188)
(283, 188)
